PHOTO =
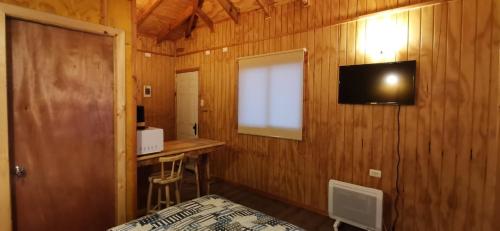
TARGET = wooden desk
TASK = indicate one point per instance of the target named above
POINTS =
(191, 147)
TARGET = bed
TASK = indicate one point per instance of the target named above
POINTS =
(207, 213)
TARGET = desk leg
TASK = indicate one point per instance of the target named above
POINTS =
(202, 170)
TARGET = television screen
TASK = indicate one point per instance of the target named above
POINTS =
(380, 83)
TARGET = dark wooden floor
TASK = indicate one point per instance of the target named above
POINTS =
(286, 212)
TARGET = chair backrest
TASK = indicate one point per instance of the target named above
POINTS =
(175, 162)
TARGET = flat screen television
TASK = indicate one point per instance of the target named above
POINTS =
(379, 83)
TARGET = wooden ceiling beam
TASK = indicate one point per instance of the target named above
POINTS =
(197, 4)
(205, 18)
(191, 25)
(148, 9)
(264, 5)
(230, 9)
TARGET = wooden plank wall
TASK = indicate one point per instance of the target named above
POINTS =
(159, 72)
(449, 139)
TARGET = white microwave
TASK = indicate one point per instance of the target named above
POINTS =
(149, 140)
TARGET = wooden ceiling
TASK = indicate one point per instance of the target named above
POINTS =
(174, 19)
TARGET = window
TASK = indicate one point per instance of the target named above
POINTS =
(270, 92)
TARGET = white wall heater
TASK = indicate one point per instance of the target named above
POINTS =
(355, 205)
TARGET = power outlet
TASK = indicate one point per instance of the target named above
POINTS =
(375, 173)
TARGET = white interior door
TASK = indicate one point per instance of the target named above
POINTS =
(186, 87)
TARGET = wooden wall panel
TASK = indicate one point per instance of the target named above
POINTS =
(117, 14)
(149, 44)
(492, 180)
(159, 72)
(448, 141)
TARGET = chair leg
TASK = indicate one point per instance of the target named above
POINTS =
(180, 181)
(158, 203)
(177, 193)
(150, 192)
(167, 194)
(197, 177)
(208, 176)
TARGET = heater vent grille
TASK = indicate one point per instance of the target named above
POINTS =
(355, 205)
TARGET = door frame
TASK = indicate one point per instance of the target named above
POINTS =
(6, 10)
(186, 70)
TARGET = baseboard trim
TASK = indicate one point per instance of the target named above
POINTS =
(273, 196)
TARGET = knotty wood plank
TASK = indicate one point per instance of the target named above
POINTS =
(464, 135)
(333, 131)
(437, 114)
(424, 83)
(341, 168)
(411, 127)
(359, 58)
(492, 180)
(402, 21)
(450, 112)
(480, 114)
(374, 159)
(349, 111)
(389, 157)
(324, 116)
(315, 152)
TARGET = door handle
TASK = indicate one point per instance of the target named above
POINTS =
(19, 171)
(195, 128)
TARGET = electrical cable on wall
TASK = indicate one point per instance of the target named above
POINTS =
(398, 161)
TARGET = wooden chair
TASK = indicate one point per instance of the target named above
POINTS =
(192, 165)
(166, 177)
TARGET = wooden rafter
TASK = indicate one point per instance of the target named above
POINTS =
(264, 5)
(191, 25)
(205, 18)
(148, 9)
(185, 26)
(194, 18)
(176, 29)
(230, 9)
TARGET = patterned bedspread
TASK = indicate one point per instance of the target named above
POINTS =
(208, 213)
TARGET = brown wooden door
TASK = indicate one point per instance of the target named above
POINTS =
(61, 127)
